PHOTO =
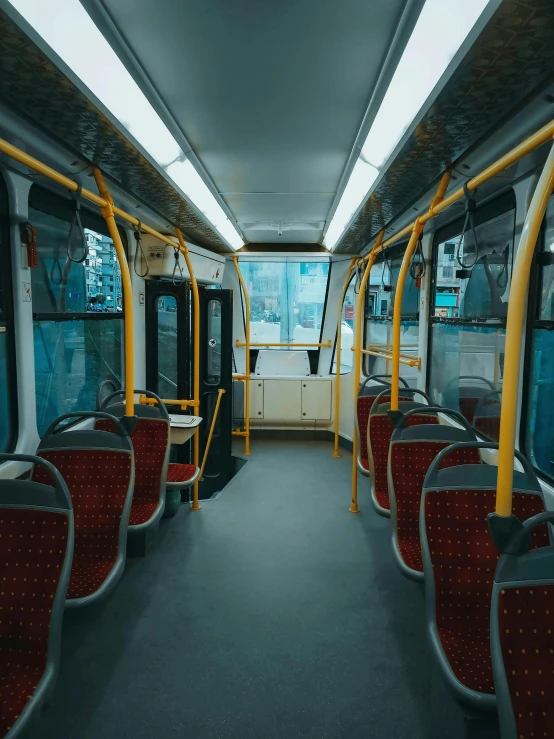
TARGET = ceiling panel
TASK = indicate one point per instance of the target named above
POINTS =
(270, 95)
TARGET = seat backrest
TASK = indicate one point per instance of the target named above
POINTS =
(379, 433)
(459, 560)
(151, 445)
(366, 396)
(98, 469)
(36, 547)
(471, 389)
(522, 636)
(486, 417)
(412, 450)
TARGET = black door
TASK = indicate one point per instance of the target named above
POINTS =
(169, 368)
(216, 366)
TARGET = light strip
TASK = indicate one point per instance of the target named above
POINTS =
(68, 29)
(441, 29)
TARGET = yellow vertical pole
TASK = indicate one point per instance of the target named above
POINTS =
(514, 331)
(417, 230)
(247, 360)
(196, 359)
(358, 365)
(337, 358)
(108, 214)
(220, 392)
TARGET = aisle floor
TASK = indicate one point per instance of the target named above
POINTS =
(273, 613)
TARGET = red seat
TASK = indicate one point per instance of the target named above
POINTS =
(36, 544)
(409, 463)
(181, 473)
(379, 433)
(150, 440)
(463, 560)
(98, 480)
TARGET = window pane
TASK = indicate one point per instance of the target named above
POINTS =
(71, 359)
(379, 338)
(540, 414)
(467, 364)
(166, 308)
(63, 286)
(287, 300)
(213, 364)
(546, 306)
(347, 331)
(6, 398)
(483, 290)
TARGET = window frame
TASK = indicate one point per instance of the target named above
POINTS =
(313, 354)
(7, 313)
(55, 204)
(532, 322)
(487, 211)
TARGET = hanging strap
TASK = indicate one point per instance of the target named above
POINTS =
(139, 250)
(417, 265)
(76, 223)
(471, 206)
(177, 267)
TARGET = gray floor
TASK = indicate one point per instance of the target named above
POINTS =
(271, 613)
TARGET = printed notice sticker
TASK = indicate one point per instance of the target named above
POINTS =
(26, 292)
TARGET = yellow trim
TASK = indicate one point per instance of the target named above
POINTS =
(196, 356)
(246, 376)
(337, 357)
(326, 345)
(417, 230)
(517, 306)
(220, 392)
(406, 359)
(182, 404)
(358, 366)
(108, 213)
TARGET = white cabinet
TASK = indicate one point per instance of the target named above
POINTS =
(316, 400)
(256, 398)
(282, 400)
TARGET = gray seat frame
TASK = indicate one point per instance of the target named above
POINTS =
(520, 570)
(82, 440)
(462, 477)
(159, 413)
(25, 494)
(403, 434)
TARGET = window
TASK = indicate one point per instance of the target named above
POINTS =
(539, 412)
(287, 300)
(381, 291)
(78, 326)
(8, 392)
(166, 309)
(468, 314)
(347, 330)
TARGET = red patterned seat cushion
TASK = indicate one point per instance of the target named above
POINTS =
(488, 426)
(98, 481)
(32, 552)
(526, 621)
(464, 561)
(379, 435)
(150, 443)
(410, 461)
(363, 407)
(467, 407)
(180, 472)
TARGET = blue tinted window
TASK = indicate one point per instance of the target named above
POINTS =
(8, 392)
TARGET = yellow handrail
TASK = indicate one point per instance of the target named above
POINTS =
(246, 377)
(220, 392)
(417, 230)
(182, 404)
(196, 356)
(514, 330)
(107, 210)
(357, 367)
(337, 357)
(406, 359)
(326, 345)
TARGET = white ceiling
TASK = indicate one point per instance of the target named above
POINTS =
(270, 96)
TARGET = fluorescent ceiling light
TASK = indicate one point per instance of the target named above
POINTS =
(69, 30)
(362, 178)
(442, 27)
